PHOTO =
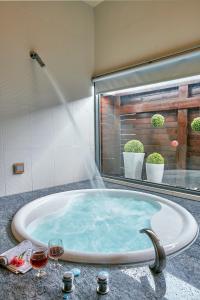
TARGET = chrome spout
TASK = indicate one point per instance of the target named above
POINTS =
(34, 55)
(160, 255)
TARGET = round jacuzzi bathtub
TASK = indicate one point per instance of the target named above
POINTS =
(103, 226)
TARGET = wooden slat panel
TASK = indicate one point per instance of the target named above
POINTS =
(193, 154)
(146, 125)
(181, 155)
(149, 141)
(143, 115)
(195, 141)
(194, 150)
(162, 105)
(137, 121)
(149, 131)
(150, 96)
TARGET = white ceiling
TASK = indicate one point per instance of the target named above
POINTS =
(93, 3)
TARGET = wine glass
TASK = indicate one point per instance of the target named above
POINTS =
(56, 250)
(39, 259)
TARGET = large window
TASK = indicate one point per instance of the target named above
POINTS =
(151, 132)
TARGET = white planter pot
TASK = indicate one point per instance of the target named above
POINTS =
(155, 172)
(133, 163)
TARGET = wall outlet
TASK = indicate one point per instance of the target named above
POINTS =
(18, 168)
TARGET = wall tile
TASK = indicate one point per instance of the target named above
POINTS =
(64, 165)
(46, 141)
(84, 165)
(31, 115)
(82, 120)
(16, 127)
(42, 129)
(63, 129)
(18, 183)
(90, 108)
(2, 166)
(43, 168)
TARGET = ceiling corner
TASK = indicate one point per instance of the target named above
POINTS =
(93, 3)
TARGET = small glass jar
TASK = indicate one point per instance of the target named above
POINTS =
(68, 282)
(102, 283)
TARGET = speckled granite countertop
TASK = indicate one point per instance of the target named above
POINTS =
(181, 278)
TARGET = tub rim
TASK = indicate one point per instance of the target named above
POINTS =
(187, 237)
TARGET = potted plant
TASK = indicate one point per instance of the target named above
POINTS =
(155, 167)
(133, 159)
(157, 120)
(196, 124)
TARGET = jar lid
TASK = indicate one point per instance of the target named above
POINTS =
(104, 273)
(68, 275)
(102, 277)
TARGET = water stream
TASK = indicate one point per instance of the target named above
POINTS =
(93, 174)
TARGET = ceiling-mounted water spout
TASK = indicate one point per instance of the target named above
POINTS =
(34, 55)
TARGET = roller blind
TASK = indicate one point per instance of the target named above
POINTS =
(183, 65)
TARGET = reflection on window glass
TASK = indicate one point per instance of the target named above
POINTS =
(153, 133)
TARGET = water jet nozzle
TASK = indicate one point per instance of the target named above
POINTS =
(34, 55)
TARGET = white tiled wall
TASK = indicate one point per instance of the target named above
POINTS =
(34, 126)
(46, 141)
(2, 166)
(18, 183)
(43, 168)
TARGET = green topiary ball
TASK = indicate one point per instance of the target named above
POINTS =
(155, 158)
(196, 124)
(134, 146)
(157, 120)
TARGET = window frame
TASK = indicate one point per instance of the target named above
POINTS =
(140, 184)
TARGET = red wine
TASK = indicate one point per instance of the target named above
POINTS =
(56, 251)
(39, 260)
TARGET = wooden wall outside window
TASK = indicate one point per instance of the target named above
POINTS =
(128, 117)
